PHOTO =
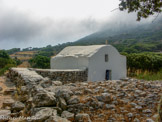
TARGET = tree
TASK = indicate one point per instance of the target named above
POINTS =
(144, 8)
(5, 62)
(3, 54)
(13, 50)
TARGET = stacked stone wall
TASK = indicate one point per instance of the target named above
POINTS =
(64, 75)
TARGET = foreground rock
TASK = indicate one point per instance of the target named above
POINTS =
(56, 119)
(68, 115)
(4, 115)
(44, 114)
(1, 88)
(8, 103)
(82, 118)
(17, 106)
(46, 100)
(9, 91)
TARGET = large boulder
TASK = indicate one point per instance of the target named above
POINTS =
(82, 118)
(62, 103)
(17, 106)
(68, 115)
(56, 83)
(45, 98)
(73, 100)
(110, 106)
(64, 93)
(9, 91)
(43, 115)
(46, 83)
(8, 103)
(76, 108)
(4, 115)
(24, 90)
(104, 97)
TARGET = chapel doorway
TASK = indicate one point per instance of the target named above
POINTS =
(108, 75)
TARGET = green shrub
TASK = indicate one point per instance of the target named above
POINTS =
(144, 61)
(40, 62)
(3, 54)
(4, 69)
(5, 62)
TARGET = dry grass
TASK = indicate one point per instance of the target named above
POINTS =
(25, 64)
(26, 52)
(145, 75)
(24, 56)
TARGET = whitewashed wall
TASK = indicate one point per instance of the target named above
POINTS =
(97, 65)
(69, 62)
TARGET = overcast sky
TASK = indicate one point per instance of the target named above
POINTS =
(38, 23)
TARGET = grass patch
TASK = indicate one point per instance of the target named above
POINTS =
(150, 75)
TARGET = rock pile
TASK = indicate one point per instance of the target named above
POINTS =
(105, 101)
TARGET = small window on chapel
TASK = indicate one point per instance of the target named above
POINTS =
(106, 58)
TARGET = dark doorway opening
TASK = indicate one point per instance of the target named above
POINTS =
(108, 75)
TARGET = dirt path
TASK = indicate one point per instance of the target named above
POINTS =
(5, 86)
(25, 64)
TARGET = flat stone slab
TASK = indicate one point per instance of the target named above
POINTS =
(26, 74)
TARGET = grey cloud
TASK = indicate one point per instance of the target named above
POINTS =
(23, 30)
(19, 29)
(70, 29)
(17, 26)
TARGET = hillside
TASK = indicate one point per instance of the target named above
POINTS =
(24, 55)
(147, 37)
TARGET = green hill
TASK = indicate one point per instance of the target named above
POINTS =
(147, 37)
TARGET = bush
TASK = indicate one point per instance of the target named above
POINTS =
(3, 54)
(144, 61)
(45, 53)
(5, 62)
(40, 62)
(4, 69)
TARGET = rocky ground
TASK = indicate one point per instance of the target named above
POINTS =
(45, 100)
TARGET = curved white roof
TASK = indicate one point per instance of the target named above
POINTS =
(77, 51)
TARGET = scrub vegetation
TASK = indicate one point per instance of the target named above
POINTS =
(6, 62)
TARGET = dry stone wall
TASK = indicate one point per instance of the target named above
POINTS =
(64, 76)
